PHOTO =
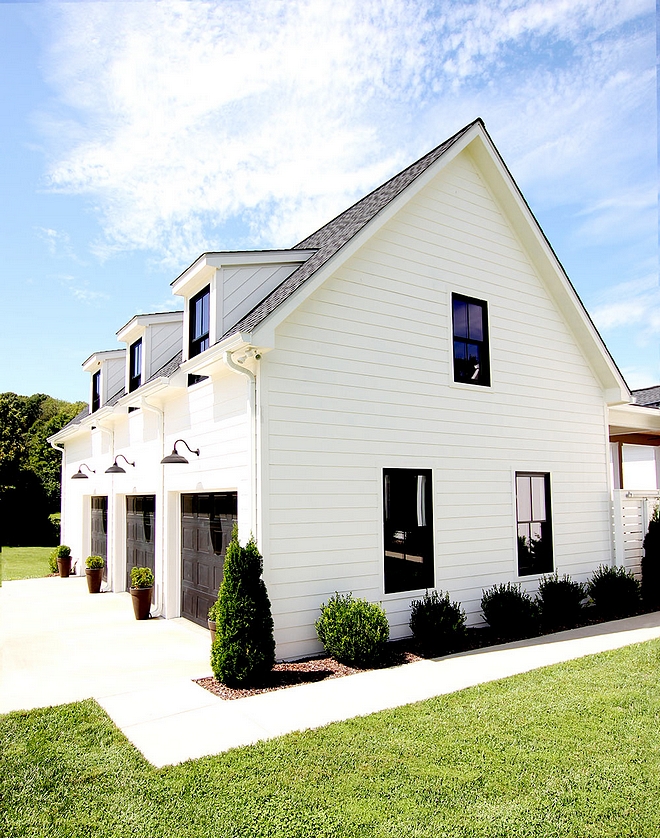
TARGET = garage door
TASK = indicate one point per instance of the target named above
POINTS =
(140, 532)
(99, 531)
(206, 525)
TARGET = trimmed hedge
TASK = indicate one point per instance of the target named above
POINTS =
(437, 624)
(615, 592)
(353, 631)
(560, 602)
(510, 611)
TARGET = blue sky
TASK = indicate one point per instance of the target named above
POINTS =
(136, 135)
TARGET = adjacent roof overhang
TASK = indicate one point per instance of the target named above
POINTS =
(203, 268)
(632, 423)
(211, 362)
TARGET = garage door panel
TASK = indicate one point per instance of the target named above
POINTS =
(140, 520)
(206, 525)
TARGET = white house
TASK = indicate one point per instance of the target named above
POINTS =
(412, 397)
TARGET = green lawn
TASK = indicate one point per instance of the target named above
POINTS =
(25, 562)
(571, 750)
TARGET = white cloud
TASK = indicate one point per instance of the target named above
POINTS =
(58, 243)
(199, 125)
(80, 290)
(631, 304)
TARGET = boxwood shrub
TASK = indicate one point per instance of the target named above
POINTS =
(437, 624)
(353, 631)
(510, 611)
(615, 592)
(94, 562)
(560, 602)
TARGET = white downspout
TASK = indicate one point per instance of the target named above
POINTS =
(62, 482)
(160, 519)
(112, 524)
(252, 446)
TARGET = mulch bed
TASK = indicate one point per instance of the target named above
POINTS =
(309, 670)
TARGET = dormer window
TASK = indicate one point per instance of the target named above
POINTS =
(96, 391)
(199, 322)
(135, 366)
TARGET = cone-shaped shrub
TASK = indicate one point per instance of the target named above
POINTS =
(651, 565)
(244, 647)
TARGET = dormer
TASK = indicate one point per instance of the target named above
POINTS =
(107, 376)
(221, 288)
(151, 341)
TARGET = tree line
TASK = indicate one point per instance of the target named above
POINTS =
(30, 469)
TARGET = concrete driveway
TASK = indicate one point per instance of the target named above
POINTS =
(61, 644)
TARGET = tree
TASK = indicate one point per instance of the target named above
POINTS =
(29, 467)
(651, 563)
(244, 647)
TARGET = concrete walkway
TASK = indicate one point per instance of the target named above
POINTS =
(59, 644)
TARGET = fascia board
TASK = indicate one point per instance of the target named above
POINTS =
(96, 358)
(507, 194)
(205, 363)
(133, 399)
(264, 333)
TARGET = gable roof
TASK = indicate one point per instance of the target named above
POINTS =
(648, 396)
(330, 238)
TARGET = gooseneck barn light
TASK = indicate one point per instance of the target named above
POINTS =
(79, 475)
(175, 457)
(115, 469)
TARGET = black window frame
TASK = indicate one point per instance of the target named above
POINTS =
(534, 555)
(464, 368)
(408, 543)
(135, 353)
(96, 391)
(198, 338)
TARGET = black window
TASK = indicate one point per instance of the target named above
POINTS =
(408, 529)
(135, 370)
(199, 322)
(96, 391)
(470, 331)
(534, 523)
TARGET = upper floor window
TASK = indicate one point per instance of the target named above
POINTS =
(408, 529)
(470, 333)
(135, 366)
(96, 391)
(533, 517)
(199, 322)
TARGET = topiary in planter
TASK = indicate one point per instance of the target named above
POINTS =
(651, 564)
(615, 592)
(510, 611)
(560, 602)
(94, 562)
(437, 624)
(142, 577)
(243, 651)
(353, 631)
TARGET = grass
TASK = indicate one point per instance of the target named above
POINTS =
(570, 750)
(25, 562)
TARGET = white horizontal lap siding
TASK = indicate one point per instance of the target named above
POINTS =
(361, 379)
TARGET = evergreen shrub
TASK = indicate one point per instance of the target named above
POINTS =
(59, 552)
(615, 592)
(651, 564)
(560, 602)
(437, 624)
(510, 611)
(244, 648)
(353, 631)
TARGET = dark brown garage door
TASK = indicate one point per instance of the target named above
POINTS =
(206, 525)
(99, 528)
(140, 532)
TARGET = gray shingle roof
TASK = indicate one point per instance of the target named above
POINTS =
(169, 368)
(330, 238)
(648, 396)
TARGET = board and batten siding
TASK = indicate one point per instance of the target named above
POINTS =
(361, 379)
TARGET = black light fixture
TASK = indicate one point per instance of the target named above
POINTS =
(79, 475)
(175, 457)
(115, 469)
